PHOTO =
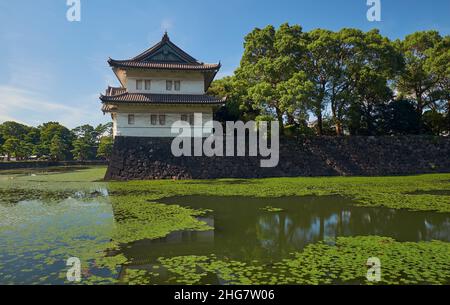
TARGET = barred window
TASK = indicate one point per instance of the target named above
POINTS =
(139, 84)
(184, 117)
(131, 119)
(148, 84)
(177, 85)
(169, 85)
(162, 119)
(153, 119)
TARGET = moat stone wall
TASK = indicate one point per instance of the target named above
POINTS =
(151, 158)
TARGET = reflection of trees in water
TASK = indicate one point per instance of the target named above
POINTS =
(281, 233)
(245, 232)
(437, 229)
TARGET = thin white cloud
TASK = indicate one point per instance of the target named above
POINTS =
(167, 24)
(31, 108)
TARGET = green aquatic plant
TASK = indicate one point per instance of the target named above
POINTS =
(47, 235)
(411, 192)
(322, 263)
(55, 221)
(137, 219)
(421, 192)
(48, 217)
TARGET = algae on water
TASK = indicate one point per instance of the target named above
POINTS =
(49, 217)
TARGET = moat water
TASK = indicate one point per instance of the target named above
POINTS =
(36, 233)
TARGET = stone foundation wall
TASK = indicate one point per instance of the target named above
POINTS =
(151, 158)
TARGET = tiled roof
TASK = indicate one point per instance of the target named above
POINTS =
(164, 55)
(162, 65)
(115, 91)
(108, 108)
(139, 98)
(165, 40)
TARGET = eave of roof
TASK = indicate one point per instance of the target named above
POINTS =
(172, 99)
(162, 65)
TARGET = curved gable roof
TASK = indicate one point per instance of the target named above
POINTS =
(164, 55)
(166, 48)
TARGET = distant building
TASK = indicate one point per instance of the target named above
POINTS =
(160, 86)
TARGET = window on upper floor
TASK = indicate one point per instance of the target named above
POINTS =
(148, 84)
(177, 85)
(131, 119)
(162, 119)
(139, 84)
(184, 117)
(191, 119)
(169, 85)
(153, 119)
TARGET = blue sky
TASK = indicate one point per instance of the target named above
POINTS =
(54, 70)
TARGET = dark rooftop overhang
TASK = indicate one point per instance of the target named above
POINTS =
(162, 65)
(120, 97)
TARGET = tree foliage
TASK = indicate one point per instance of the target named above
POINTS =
(50, 130)
(105, 147)
(351, 79)
(52, 141)
(269, 71)
(425, 79)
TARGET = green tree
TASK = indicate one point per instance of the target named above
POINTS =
(58, 148)
(88, 133)
(11, 147)
(82, 150)
(319, 64)
(447, 119)
(47, 132)
(13, 130)
(105, 148)
(85, 144)
(103, 130)
(270, 70)
(236, 106)
(434, 122)
(400, 117)
(24, 150)
(378, 63)
(33, 136)
(2, 141)
(427, 71)
(18, 139)
(350, 70)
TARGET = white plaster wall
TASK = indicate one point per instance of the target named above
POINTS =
(142, 126)
(191, 83)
